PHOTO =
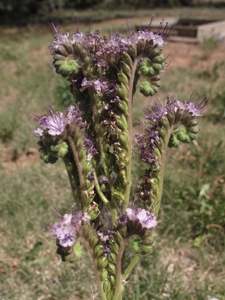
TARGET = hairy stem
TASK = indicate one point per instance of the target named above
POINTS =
(119, 288)
(72, 185)
(156, 206)
(77, 161)
(131, 266)
(130, 130)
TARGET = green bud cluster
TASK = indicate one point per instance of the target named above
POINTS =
(64, 61)
(52, 150)
(148, 89)
(66, 67)
(186, 129)
(150, 69)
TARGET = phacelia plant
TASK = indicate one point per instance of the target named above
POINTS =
(94, 138)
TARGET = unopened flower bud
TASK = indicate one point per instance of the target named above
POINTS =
(106, 285)
(110, 295)
(102, 262)
(103, 274)
(123, 78)
(123, 138)
(112, 268)
(164, 122)
(146, 68)
(158, 59)
(136, 246)
(158, 67)
(68, 68)
(132, 51)
(122, 92)
(112, 257)
(146, 89)
(82, 154)
(122, 122)
(123, 106)
(61, 149)
(127, 59)
(61, 50)
(68, 46)
(155, 83)
(192, 122)
(125, 67)
(173, 141)
(59, 57)
(93, 240)
(155, 52)
(112, 279)
(147, 248)
(194, 129)
(141, 46)
(98, 250)
(192, 136)
(171, 117)
(114, 247)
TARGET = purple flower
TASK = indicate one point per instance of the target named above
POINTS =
(60, 39)
(160, 110)
(147, 36)
(91, 176)
(54, 124)
(106, 236)
(65, 230)
(146, 143)
(145, 218)
(75, 116)
(91, 149)
(195, 108)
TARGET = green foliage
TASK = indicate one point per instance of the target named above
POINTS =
(25, 11)
(83, 4)
(8, 123)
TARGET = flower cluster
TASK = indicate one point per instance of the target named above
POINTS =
(104, 50)
(160, 110)
(174, 111)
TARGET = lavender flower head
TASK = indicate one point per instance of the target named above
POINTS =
(145, 218)
(54, 124)
(65, 230)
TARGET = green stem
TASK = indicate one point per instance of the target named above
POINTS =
(119, 283)
(101, 195)
(156, 206)
(132, 264)
(71, 181)
(77, 161)
(130, 130)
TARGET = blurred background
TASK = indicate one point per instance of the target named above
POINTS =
(188, 261)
